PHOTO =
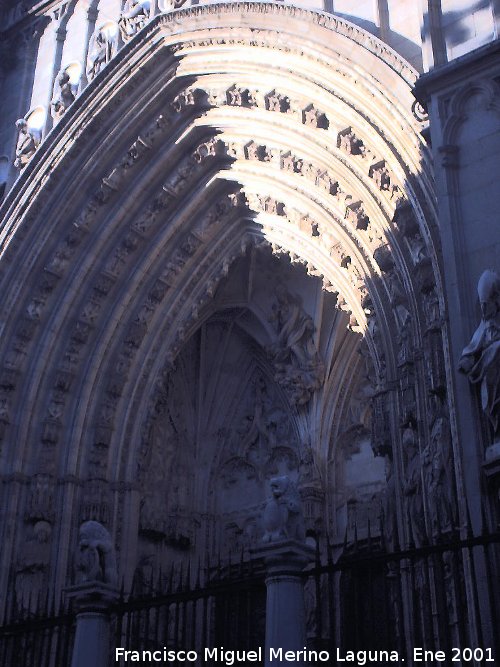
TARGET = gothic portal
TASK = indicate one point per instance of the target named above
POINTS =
(232, 253)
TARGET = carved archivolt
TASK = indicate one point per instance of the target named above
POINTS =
(122, 264)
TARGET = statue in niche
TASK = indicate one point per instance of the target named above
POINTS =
(480, 359)
(412, 487)
(431, 309)
(308, 470)
(64, 97)
(438, 466)
(135, 15)
(101, 51)
(390, 520)
(283, 517)
(298, 368)
(405, 352)
(32, 566)
(28, 140)
(96, 557)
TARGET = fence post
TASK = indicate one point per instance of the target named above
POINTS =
(285, 609)
(92, 601)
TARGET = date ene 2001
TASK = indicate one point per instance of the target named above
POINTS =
(457, 655)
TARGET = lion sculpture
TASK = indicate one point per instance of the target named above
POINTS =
(283, 518)
(96, 557)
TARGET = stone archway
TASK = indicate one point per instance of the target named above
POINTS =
(188, 151)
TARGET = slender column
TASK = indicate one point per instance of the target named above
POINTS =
(285, 609)
(92, 639)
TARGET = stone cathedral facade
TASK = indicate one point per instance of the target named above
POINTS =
(240, 240)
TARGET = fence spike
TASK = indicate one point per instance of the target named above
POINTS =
(151, 581)
(52, 603)
(219, 565)
(198, 579)
(242, 560)
(485, 531)
(15, 609)
(159, 586)
(470, 532)
(179, 585)
(329, 549)
(381, 526)
(171, 579)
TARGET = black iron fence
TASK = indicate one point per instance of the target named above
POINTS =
(38, 638)
(358, 598)
(220, 607)
(440, 597)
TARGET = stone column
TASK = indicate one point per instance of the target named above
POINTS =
(92, 639)
(285, 610)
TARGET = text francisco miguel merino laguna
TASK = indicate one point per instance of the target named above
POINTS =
(230, 657)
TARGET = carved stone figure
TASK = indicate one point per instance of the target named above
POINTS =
(390, 519)
(438, 467)
(283, 518)
(135, 15)
(64, 97)
(412, 487)
(101, 51)
(480, 359)
(28, 140)
(298, 368)
(96, 557)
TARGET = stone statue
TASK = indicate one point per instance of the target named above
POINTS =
(283, 518)
(412, 487)
(96, 557)
(64, 97)
(101, 51)
(438, 476)
(298, 368)
(135, 15)
(389, 507)
(28, 140)
(480, 359)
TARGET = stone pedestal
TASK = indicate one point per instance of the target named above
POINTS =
(92, 639)
(285, 609)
